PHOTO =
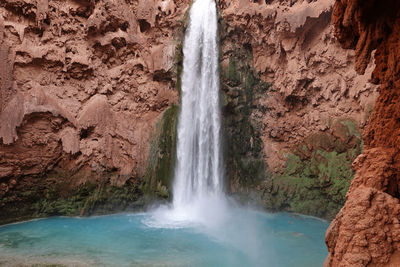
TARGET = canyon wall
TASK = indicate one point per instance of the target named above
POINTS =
(366, 232)
(89, 92)
(295, 105)
(82, 85)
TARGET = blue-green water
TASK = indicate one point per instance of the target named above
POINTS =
(250, 238)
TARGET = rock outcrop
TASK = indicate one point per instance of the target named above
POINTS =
(308, 116)
(366, 232)
(82, 84)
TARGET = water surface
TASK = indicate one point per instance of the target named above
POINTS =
(250, 238)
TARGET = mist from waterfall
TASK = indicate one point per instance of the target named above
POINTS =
(199, 201)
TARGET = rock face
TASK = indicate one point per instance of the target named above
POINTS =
(88, 93)
(82, 84)
(366, 232)
(306, 108)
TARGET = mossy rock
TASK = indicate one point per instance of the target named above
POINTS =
(59, 193)
(316, 176)
(162, 155)
(242, 87)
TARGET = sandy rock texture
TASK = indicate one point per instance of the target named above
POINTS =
(82, 84)
(313, 78)
(314, 87)
(366, 231)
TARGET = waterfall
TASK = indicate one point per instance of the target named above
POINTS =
(198, 196)
(198, 171)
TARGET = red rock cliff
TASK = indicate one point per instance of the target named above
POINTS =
(87, 78)
(303, 118)
(366, 232)
(82, 84)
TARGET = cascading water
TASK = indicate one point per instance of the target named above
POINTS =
(199, 203)
(198, 173)
(198, 183)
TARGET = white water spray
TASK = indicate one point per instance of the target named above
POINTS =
(198, 173)
(199, 201)
(198, 196)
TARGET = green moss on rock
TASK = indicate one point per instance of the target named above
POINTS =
(162, 155)
(87, 199)
(318, 171)
(316, 176)
(60, 193)
(243, 148)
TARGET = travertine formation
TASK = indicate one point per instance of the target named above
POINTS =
(313, 78)
(314, 91)
(82, 84)
(366, 232)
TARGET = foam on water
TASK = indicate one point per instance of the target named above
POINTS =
(211, 212)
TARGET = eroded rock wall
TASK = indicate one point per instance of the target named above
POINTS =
(87, 86)
(82, 84)
(307, 118)
(366, 232)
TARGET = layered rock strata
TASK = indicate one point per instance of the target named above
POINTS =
(366, 232)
